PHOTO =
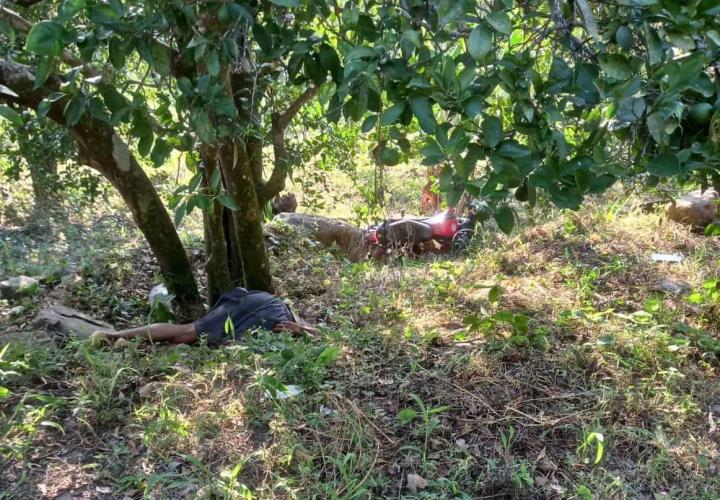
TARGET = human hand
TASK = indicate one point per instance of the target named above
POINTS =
(289, 326)
(99, 338)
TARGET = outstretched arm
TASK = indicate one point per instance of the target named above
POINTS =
(158, 332)
(292, 327)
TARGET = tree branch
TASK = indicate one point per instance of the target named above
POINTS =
(19, 23)
(286, 116)
(26, 3)
(279, 123)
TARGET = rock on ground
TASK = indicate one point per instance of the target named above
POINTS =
(66, 322)
(328, 232)
(673, 287)
(18, 286)
(697, 209)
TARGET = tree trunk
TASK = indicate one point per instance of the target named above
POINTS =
(150, 216)
(216, 263)
(102, 149)
(238, 175)
(233, 249)
(42, 177)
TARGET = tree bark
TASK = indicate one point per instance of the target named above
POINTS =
(42, 177)
(107, 153)
(216, 263)
(102, 149)
(233, 249)
(238, 175)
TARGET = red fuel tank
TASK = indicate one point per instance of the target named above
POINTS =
(444, 225)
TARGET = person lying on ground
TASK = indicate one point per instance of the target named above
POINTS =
(235, 313)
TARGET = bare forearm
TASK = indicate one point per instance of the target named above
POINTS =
(160, 332)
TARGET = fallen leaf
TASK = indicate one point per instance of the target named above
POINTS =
(547, 465)
(416, 482)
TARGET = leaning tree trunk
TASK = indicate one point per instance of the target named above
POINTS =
(107, 153)
(102, 149)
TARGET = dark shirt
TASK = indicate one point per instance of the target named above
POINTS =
(246, 310)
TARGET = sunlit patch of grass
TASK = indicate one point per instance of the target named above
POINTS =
(491, 373)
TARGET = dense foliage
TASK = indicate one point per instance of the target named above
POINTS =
(512, 97)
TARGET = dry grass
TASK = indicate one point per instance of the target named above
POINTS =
(477, 411)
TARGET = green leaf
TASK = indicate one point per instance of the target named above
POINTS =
(262, 37)
(492, 131)
(505, 218)
(513, 149)
(653, 44)
(203, 126)
(46, 38)
(480, 42)
(104, 14)
(69, 8)
(286, 3)
(160, 58)
(712, 230)
(392, 114)
(116, 50)
(314, 70)
(368, 124)
(664, 165)
(406, 415)
(213, 63)
(616, 66)
(74, 110)
(422, 109)
(410, 41)
(145, 144)
(330, 61)
(43, 70)
(624, 38)
(517, 38)
(115, 102)
(474, 105)
(11, 115)
(684, 72)
(390, 156)
(327, 356)
(160, 152)
(180, 213)
(227, 201)
(500, 21)
(224, 105)
(494, 294)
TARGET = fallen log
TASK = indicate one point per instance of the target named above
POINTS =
(328, 232)
(696, 209)
(65, 322)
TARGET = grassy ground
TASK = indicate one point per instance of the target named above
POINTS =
(547, 365)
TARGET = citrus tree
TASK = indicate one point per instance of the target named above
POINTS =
(514, 98)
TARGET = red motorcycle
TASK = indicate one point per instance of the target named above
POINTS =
(440, 233)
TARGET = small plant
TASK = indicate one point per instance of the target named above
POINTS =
(430, 422)
(584, 493)
(593, 443)
(507, 439)
(522, 477)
